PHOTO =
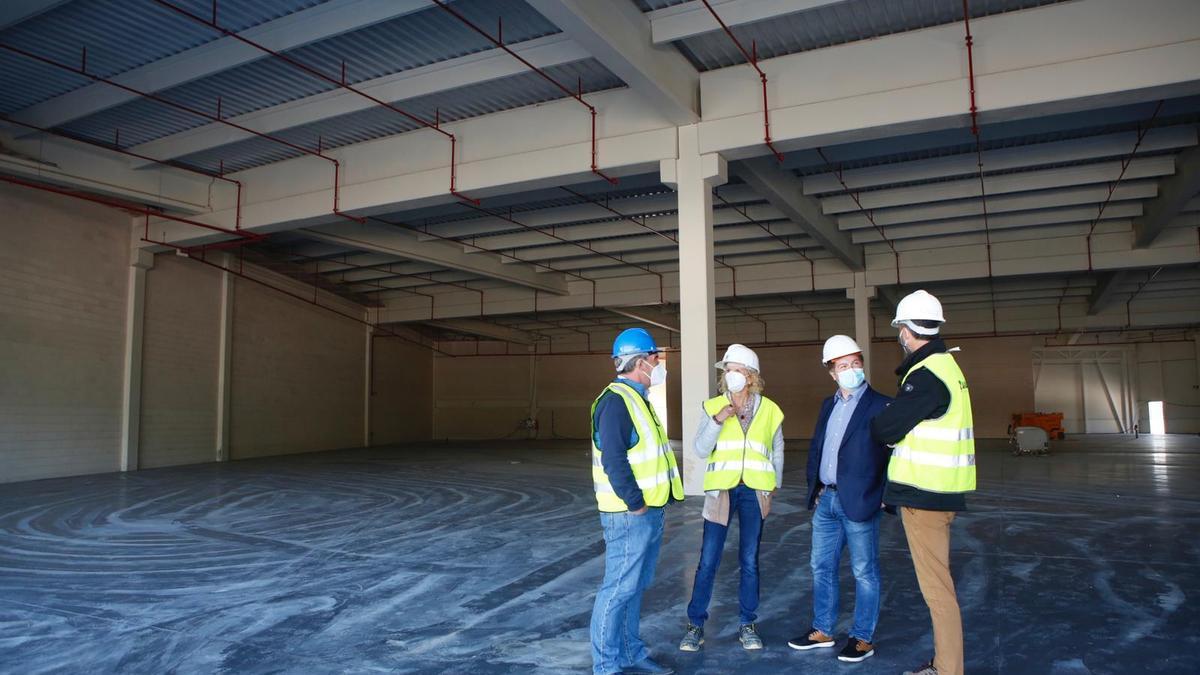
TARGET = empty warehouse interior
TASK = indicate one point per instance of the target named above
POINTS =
(306, 305)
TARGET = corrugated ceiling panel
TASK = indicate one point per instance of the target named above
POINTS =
(833, 24)
(511, 92)
(119, 35)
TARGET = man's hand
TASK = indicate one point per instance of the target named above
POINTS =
(724, 414)
(639, 512)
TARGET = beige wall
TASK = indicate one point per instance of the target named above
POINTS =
(487, 396)
(179, 363)
(298, 376)
(401, 392)
(63, 279)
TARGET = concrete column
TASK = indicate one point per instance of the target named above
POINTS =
(693, 176)
(862, 294)
(135, 318)
(367, 377)
(225, 363)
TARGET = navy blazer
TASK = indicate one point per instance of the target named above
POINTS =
(862, 462)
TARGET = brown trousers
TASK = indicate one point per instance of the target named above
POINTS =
(928, 535)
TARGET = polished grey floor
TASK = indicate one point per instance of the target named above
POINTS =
(470, 559)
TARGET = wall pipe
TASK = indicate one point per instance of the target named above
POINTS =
(435, 125)
(577, 95)
(82, 71)
(751, 58)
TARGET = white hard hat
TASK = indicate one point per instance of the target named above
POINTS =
(837, 347)
(918, 306)
(739, 354)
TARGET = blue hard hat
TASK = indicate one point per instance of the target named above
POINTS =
(634, 341)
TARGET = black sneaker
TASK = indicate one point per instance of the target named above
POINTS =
(813, 639)
(856, 650)
(923, 669)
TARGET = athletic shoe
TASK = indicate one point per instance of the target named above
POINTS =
(749, 637)
(856, 650)
(692, 639)
(814, 639)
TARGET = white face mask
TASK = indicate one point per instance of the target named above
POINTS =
(658, 375)
(851, 378)
(734, 381)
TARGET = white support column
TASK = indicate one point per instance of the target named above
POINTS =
(135, 315)
(224, 364)
(367, 380)
(862, 294)
(693, 176)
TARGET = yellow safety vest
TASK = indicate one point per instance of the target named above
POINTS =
(652, 460)
(743, 457)
(939, 455)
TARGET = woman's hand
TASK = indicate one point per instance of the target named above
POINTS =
(724, 414)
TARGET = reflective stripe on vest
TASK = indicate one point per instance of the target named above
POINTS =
(652, 460)
(743, 457)
(939, 455)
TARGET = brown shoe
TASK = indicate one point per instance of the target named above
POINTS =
(814, 639)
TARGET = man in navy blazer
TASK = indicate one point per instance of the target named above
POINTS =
(846, 475)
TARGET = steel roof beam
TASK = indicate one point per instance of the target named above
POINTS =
(1174, 195)
(619, 36)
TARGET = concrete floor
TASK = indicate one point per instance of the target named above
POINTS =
(485, 560)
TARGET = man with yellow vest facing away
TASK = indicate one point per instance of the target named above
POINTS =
(741, 439)
(635, 475)
(932, 466)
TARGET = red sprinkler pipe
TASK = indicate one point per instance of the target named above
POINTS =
(1112, 187)
(116, 147)
(82, 71)
(577, 95)
(435, 125)
(974, 110)
(297, 296)
(589, 249)
(244, 237)
(509, 256)
(837, 171)
(751, 58)
(812, 270)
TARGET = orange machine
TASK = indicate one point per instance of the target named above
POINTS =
(1051, 422)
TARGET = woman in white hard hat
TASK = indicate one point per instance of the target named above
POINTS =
(741, 439)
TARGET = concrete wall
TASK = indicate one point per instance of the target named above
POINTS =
(495, 389)
(180, 363)
(298, 372)
(401, 392)
(63, 279)
(298, 375)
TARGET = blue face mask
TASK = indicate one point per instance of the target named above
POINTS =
(851, 378)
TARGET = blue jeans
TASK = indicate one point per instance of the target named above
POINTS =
(831, 532)
(631, 546)
(744, 502)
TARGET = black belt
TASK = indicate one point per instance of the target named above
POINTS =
(829, 487)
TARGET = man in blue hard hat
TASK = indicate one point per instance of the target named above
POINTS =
(635, 475)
